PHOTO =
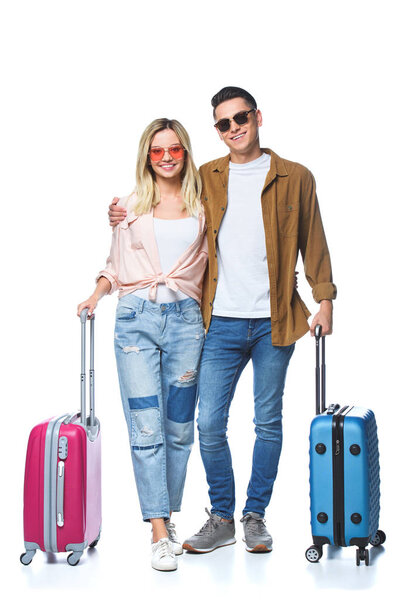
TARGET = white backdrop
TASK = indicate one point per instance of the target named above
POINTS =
(80, 81)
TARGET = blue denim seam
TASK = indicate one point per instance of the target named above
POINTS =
(164, 453)
(222, 515)
(250, 331)
(164, 399)
(199, 321)
(159, 515)
(226, 412)
(180, 494)
(143, 402)
(230, 395)
(154, 446)
(247, 512)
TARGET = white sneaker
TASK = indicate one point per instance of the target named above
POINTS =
(163, 557)
(176, 545)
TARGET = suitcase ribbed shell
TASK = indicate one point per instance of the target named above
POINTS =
(361, 476)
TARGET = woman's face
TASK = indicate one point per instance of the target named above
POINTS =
(167, 167)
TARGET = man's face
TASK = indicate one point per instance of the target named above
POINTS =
(240, 139)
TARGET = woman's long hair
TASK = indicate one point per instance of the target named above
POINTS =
(147, 191)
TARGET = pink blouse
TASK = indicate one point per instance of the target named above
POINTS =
(134, 261)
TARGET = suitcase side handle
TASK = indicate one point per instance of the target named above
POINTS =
(84, 318)
(320, 371)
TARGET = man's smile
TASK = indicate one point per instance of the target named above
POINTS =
(238, 136)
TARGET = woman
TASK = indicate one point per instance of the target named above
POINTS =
(157, 262)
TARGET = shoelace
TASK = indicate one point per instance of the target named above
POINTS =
(209, 525)
(256, 525)
(163, 548)
(171, 531)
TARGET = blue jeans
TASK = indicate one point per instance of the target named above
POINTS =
(158, 347)
(229, 344)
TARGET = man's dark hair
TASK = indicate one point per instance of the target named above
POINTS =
(230, 92)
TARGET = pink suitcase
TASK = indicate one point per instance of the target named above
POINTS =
(62, 492)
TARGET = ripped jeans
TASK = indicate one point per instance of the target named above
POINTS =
(158, 347)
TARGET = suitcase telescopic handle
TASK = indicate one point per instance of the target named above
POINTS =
(84, 318)
(320, 371)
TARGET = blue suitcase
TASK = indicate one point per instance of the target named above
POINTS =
(344, 473)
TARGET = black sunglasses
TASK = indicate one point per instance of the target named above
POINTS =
(240, 119)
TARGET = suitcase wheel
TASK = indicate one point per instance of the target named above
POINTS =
(378, 539)
(26, 557)
(95, 542)
(313, 553)
(74, 558)
(362, 554)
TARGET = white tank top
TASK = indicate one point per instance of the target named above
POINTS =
(173, 237)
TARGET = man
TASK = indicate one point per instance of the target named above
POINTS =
(250, 308)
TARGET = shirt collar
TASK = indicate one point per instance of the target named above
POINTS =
(277, 163)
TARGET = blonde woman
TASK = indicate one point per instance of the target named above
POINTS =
(157, 262)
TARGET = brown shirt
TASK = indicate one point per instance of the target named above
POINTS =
(292, 223)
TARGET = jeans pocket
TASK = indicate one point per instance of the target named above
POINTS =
(146, 427)
(192, 315)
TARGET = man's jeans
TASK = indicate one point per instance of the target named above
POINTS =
(157, 347)
(229, 344)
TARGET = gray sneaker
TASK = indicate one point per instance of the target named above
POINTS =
(215, 533)
(256, 536)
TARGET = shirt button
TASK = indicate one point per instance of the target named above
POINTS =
(215, 279)
(222, 207)
(210, 303)
(215, 231)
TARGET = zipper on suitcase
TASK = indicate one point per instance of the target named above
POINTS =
(338, 477)
(50, 484)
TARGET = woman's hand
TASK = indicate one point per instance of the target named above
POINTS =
(90, 304)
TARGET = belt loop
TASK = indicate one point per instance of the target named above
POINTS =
(141, 305)
(178, 307)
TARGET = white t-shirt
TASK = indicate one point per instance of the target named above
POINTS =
(243, 280)
(173, 237)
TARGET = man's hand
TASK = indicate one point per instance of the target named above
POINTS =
(116, 214)
(323, 318)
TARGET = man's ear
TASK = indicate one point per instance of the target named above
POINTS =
(259, 118)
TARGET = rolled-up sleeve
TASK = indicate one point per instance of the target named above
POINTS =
(313, 245)
(110, 271)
